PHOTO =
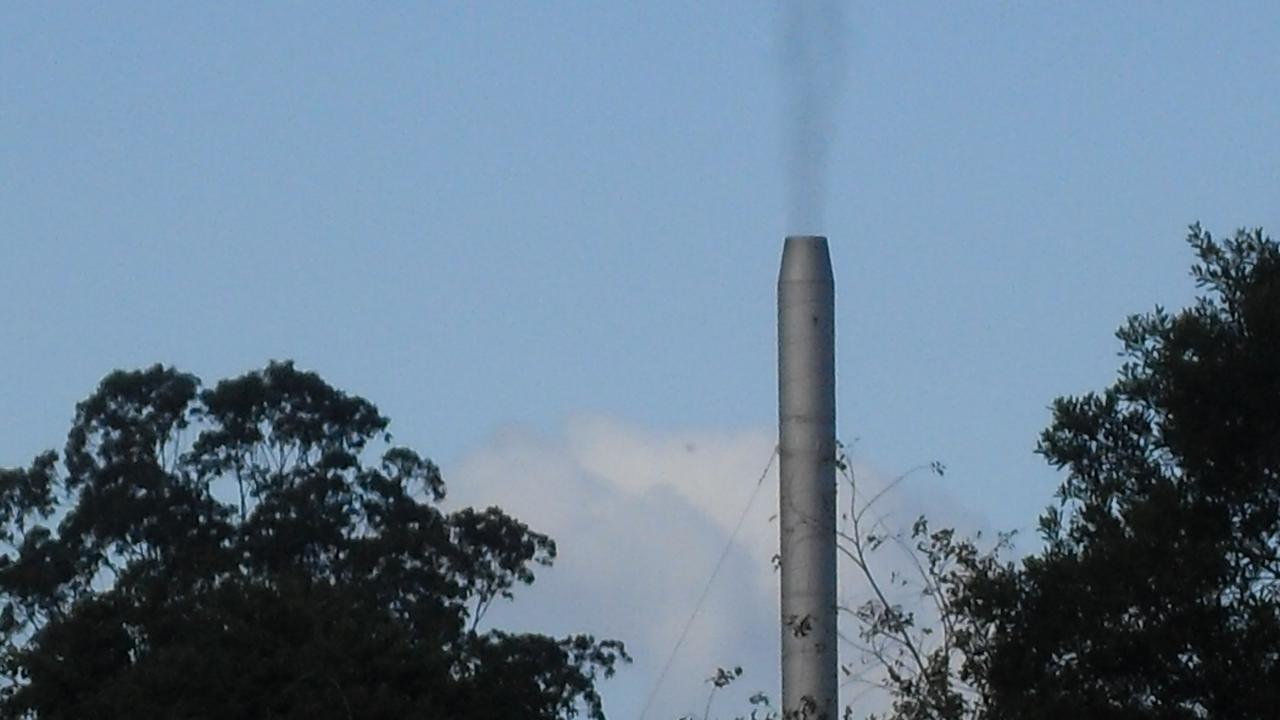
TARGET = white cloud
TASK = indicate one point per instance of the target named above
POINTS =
(640, 518)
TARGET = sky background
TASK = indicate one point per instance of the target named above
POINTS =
(544, 237)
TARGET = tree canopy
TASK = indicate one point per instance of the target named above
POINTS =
(1156, 592)
(242, 550)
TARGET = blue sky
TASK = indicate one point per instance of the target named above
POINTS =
(498, 219)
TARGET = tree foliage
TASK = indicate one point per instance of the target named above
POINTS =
(242, 551)
(1156, 593)
(910, 641)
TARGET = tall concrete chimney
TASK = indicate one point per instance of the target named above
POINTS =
(807, 493)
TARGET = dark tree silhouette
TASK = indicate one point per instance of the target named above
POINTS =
(234, 552)
(1157, 593)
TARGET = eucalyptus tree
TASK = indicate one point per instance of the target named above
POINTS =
(260, 548)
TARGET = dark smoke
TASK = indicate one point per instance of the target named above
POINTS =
(814, 65)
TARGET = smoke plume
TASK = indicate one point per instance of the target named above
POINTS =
(813, 70)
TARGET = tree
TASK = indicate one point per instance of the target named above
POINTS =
(912, 641)
(235, 552)
(1157, 592)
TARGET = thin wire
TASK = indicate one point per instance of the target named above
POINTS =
(706, 589)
